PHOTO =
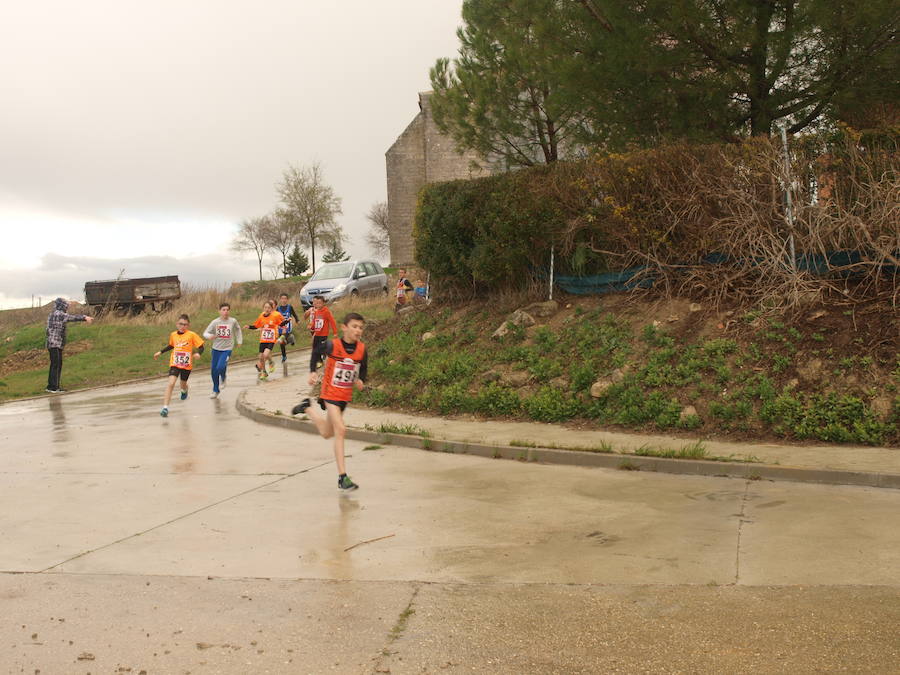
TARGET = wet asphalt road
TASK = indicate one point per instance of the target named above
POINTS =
(206, 543)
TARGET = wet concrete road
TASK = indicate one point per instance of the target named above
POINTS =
(206, 543)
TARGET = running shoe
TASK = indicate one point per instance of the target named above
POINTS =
(270, 364)
(164, 412)
(284, 358)
(221, 382)
(263, 375)
(51, 391)
(301, 407)
(344, 483)
(215, 394)
(183, 395)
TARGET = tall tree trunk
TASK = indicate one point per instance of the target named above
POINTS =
(312, 246)
(260, 268)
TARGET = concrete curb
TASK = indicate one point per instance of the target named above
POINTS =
(751, 471)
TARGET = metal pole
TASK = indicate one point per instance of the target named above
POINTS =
(789, 205)
(552, 260)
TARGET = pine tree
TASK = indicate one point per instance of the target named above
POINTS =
(297, 263)
(335, 253)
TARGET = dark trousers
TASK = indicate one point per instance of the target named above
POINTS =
(55, 367)
(315, 360)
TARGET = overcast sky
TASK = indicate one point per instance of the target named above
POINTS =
(137, 135)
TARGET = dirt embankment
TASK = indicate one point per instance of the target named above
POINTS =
(31, 359)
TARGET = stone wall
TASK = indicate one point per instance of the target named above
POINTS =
(420, 155)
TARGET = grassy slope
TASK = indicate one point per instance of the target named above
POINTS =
(121, 349)
(833, 377)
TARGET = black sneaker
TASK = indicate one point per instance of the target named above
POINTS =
(301, 407)
(344, 483)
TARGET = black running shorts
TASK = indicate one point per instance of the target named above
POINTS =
(340, 404)
(263, 346)
(180, 372)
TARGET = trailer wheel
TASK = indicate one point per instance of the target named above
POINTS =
(136, 309)
(98, 310)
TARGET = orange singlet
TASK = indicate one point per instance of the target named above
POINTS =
(341, 371)
(268, 326)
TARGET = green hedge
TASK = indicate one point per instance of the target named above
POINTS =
(667, 207)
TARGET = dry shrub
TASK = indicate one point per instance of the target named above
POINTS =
(710, 221)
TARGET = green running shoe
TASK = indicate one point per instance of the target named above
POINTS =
(344, 483)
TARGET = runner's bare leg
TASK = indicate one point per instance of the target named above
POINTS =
(323, 423)
(336, 421)
(170, 385)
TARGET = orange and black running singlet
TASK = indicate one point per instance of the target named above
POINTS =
(341, 371)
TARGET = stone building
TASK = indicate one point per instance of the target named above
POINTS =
(420, 155)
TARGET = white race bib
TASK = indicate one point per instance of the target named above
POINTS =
(267, 335)
(223, 331)
(181, 359)
(345, 374)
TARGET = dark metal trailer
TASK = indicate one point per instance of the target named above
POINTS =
(124, 296)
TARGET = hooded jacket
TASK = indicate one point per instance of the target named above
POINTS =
(56, 324)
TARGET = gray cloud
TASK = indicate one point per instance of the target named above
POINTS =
(59, 275)
(154, 112)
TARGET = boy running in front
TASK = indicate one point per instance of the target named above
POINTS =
(182, 344)
(267, 323)
(286, 332)
(346, 368)
(222, 332)
(321, 323)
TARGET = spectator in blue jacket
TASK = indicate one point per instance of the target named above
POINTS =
(56, 340)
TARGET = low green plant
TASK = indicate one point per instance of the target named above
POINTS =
(830, 417)
(545, 368)
(498, 401)
(405, 429)
(549, 405)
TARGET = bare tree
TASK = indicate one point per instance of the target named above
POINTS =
(313, 205)
(254, 236)
(283, 234)
(378, 238)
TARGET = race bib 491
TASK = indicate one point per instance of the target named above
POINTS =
(345, 373)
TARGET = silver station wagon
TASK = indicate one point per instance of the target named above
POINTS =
(345, 279)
